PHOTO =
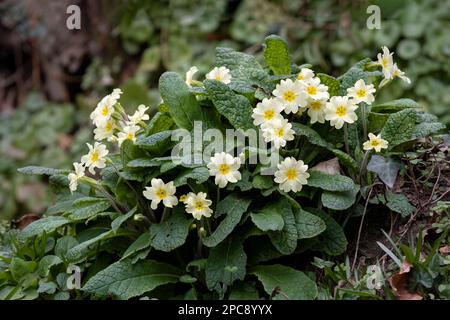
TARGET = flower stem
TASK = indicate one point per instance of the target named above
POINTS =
(165, 214)
(110, 198)
(364, 119)
(218, 196)
(347, 147)
(362, 169)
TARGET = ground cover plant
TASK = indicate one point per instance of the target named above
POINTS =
(135, 219)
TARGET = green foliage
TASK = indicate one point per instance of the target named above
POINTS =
(282, 283)
(170, 234)
(234, 207)
(36, 134)
(226, 264)
(236, 108)
(182, 105)
(276, 55)
(127, 247)
(400, 127)
(124, 280)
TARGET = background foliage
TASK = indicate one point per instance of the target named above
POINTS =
(135, 41)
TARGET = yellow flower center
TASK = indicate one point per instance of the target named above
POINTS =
(105, 111)
(269, 114)
(130, 136)
(108, 127)
(311, 90)
(291, 174)
(279, 132)
(218, 78)
(224, 169)
(300, 77)
(341, 111)
(395, 73)
(289, 96)
(316, 105)
(361, 93)
(95, 156)
(161, 193)
(385, 62)
(374, 143)
(199, 205)
(183, 198)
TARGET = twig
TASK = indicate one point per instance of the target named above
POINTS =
(435, 185)
(442, 196)
(360, 229)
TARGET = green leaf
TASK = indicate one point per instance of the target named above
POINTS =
(339, 200)
(245, 70)
(182, 104)
(352, 75)
(426, 125)
(262, 182)
(330, 182)
(140, 244)
(147, 162)
(115, 225)
(234, 206)
(80, 252)
(377, 121)
(47, 287)
(226, 263)
(244, 291)
(331, 82)
(386, 168)
(285, 283)
(159, 122)
(308, 224)
(47, 225)
(260, 249)
(268, 218)
(60, 207)
(399, 203)
(20, 268)
(395, 106)
(236, 108)
(155, 142)
(64, 244)
(46, 263)
(234, 60)
(125, 280)
(312, 136)
(346, 160)
(172, 233)
(276, 55)
(400, 127)
(199, 174)
(285, 240)
(332, 241)
(41, 171)
(88, 208)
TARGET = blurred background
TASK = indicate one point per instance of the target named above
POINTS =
(51, 77)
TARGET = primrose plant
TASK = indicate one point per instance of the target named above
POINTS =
(215, 224)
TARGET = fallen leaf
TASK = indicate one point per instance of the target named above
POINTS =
(25, 220)
(400, 280)
(444, 250)
(330, 166)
